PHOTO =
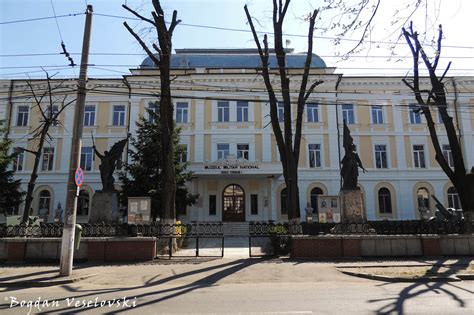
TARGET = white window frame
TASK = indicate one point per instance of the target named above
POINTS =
(453, 199)
(281, 111)
(317, 153)
(50, 160)
(242, 108)
(221, 153)
(419, 156)
(182, 110)
(382, 153)
(243, 152)
(85, 157)
(414, 118)
(448, 154)
(346, 113)
(19, 159)
(223, 111)
(185, 155)
(377, 115)
(312, 112)
(25, 116)
(121, 115)
(152, 105)
(87, 114)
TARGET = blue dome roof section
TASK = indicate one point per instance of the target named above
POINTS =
(231, 59)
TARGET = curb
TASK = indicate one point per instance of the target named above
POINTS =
(401, 279)
(44, 283)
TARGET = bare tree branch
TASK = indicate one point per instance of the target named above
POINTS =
(141, 17)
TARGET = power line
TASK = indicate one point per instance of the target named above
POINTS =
(221, 29)
(41, 18)
(270, 33)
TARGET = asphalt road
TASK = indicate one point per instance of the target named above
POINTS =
(236, 287)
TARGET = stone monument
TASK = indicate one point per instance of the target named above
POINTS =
(352, 204)
(105, 205)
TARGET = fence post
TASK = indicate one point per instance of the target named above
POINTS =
(170, 245)
(250, 246)
(197, 246)
(223, 246)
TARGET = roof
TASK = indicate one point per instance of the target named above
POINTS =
(231, 59)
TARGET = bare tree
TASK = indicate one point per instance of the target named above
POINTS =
(162, 60)
(435, 98)
(288, 148)
(51, 102)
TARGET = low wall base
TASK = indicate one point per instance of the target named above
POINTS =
(329, 246)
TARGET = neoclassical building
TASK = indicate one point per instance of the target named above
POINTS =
(222, 109)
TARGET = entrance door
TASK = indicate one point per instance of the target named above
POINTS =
(233, 198)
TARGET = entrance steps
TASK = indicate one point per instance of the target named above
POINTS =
(235, 228)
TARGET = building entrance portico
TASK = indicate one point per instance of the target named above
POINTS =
(233, 198)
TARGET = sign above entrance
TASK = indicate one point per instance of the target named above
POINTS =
(231, 165)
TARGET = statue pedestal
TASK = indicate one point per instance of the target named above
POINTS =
(105, 208)
(352, 206)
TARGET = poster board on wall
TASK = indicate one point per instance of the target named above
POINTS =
(139, 209)
(329, 209)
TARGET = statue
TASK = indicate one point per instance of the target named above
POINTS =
(108, 164)
(58, 216)
(350, 162)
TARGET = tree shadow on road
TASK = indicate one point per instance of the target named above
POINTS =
(161, 294)
(396, 304)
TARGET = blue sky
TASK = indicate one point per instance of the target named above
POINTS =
(110, 37)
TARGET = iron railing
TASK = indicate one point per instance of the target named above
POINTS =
(112, 230)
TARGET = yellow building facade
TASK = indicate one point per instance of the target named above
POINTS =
(221, 106)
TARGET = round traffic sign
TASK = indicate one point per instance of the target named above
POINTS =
(79, 177)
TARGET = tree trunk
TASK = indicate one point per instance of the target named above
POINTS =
(34, 176)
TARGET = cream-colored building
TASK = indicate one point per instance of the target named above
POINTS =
(220, 104)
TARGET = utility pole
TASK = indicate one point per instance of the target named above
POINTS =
(67, 245)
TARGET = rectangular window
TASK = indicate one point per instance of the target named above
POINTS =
(253, 204)
(242, 111)
(182, 153)
(381, 156)
(312, 111)
(419, 156)
(415, 116)
(448, 154)
(212, 205)
(314, 155)
(19, 159)
(348, 113)
(281, 112)
(153, 109)
(377, 114)
(48, 159)
(181, 112)
(119, 115)
(22, 116)
(87, 155)
(222, 111)
(89, 115)
(51, 115)
(222, 151)
(243, 151)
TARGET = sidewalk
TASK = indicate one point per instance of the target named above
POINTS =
(182, 271)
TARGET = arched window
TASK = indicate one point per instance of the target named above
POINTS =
(233, 198)
(314, 198)
(385, 200)
(283, 199)
(44, 205)
(83, 203)
(453, 198)
(423, 197)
